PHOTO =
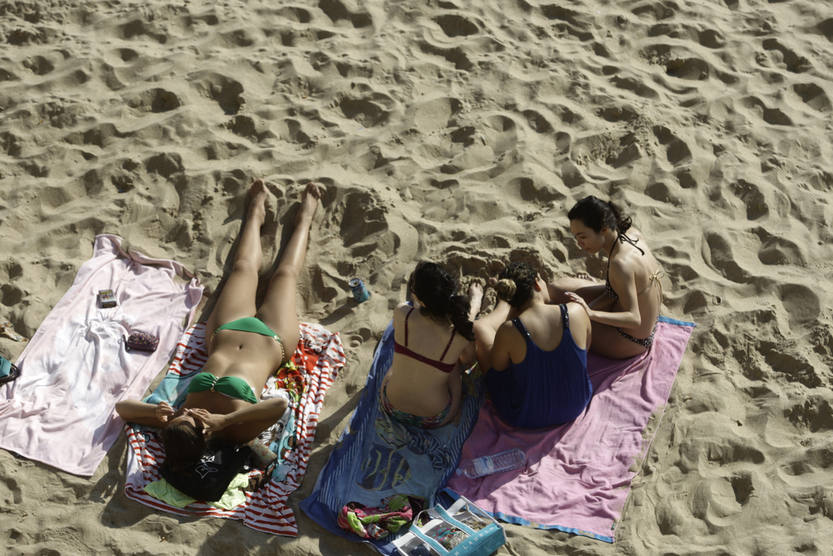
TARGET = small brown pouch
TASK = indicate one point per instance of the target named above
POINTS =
(141, 341)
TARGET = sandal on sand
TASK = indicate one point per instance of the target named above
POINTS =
(8, 371)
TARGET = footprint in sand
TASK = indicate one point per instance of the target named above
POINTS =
(155, 100)
(436, 113)
(164, 164)
(776, 250)
(337, 11)
(676, 150)
(537, 121)
(718, 255)
(456, 55)
(792, 367)
(299, 15)
(656, 10)
(246, 127)
(792, 61)
(660, 191)
(225, 91)
(826, 28)
(362, 217)
(369, 110)
(101, 136)
(801, 304)
(292, 131)
(454, 25)
(139, 28)
(713, 499)
(814, 414)
(38, 65)
(772, 116)
(750, 194)
(813, 95)
(535, 192)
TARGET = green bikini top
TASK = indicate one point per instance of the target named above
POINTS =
(248, 324)
(231, 386)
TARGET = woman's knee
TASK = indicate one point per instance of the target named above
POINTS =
(246, 266)
(286, 272)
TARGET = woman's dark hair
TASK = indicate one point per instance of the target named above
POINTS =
(516, 284)
(597, 214)
(437, 290)
(184, 444)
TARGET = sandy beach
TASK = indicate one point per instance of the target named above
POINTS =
(458, 131)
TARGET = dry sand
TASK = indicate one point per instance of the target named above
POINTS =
(455, 130)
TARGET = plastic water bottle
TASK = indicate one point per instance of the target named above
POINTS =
(495, 463)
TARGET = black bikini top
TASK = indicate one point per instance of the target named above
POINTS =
(436, 363)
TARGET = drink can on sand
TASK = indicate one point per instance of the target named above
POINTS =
(360, 293)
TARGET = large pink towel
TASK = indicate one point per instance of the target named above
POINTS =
(578, 475)
(61, 411)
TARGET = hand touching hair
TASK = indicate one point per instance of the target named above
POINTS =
(516, 284)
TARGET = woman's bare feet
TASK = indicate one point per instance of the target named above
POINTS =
(475, 299)
(310, 200)
(257, 201)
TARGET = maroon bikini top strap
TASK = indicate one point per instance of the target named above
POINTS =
(406, 324)
(448, 345)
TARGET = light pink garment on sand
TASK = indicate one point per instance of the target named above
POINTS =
(61, 411)
(578, 475)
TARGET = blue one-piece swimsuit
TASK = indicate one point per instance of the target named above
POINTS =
(547, 388)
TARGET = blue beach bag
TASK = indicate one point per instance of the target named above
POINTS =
(463, 529)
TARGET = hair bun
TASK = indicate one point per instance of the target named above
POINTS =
(506, 289)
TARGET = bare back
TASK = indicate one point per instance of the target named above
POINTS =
(647, 272)
(412, 385)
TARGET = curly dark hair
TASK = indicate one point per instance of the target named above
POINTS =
(437, 290)
(184, 444)
(597, 214)
(516, 284)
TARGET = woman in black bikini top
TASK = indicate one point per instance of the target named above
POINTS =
(624, 310)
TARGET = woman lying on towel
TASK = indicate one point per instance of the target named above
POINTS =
(624, 309)
(246, 346)
(423, 386)
(537, 362)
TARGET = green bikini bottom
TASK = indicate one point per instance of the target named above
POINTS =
(255, 326)
(231, 386)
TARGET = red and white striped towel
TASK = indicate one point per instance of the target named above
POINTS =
(321, 355)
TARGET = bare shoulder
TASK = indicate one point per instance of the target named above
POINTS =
(577, 312)
(508, 329)
(624, 265)
(401, 310)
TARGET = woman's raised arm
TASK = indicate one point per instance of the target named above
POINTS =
(141, 413)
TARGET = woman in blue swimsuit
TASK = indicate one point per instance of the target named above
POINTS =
(537, 361)
(624, 309)
(246, 345)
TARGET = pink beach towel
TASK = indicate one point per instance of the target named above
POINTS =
(61, 411)
(578, 475)
(320, 355)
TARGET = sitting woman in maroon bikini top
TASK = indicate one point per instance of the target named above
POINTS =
(432, 334)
